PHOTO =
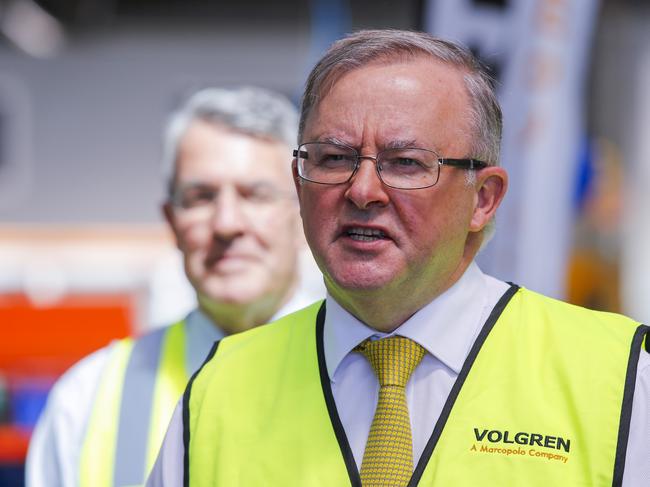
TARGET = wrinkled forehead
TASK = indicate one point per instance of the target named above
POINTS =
(443, 73)
(406, 99)
(323, 84)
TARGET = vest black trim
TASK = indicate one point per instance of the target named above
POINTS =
(458, 384)
(186, 417)
(344, 445)
(626, 407)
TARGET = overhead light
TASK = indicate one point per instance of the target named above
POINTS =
(32, 29)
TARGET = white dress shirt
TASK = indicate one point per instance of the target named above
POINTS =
(446, 328)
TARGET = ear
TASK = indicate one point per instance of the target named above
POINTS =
(491, 186)
(170, 218)
(297, 181)
(294, 173)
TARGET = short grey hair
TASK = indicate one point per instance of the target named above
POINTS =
(250, 110)
(367, 46)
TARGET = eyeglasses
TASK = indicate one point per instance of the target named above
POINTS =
(407, 168)
(199, 198)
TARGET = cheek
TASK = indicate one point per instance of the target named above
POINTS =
(280, 233)
(268, 229)
(316, 225)
(193, 237)
(429, 221)
(319, 211)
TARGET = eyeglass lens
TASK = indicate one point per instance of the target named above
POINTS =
(408, 168)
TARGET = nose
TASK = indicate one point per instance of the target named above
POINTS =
(228, 220)
(365, 188)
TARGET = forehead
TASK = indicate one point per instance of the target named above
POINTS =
(212, 153)
(420, 100)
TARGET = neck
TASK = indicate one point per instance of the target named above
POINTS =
(237, 317)
(388, 307)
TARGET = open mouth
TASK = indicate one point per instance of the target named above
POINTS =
(365, 234)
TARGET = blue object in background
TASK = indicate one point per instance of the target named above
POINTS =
(26, 401)
(329, 20)
(12, 475)
(585, 176)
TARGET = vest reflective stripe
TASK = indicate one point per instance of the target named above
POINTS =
(96, 463)
(135, 411)
(538, 402)
(149, 384)
(170, 384)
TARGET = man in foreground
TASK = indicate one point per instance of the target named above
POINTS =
(233, 212)
(418, 369)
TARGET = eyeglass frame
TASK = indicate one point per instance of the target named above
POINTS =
(176, 195)
(466, 163)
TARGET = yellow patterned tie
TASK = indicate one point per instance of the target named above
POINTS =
(388, 458)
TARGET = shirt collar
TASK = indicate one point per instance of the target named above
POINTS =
(198, 323)
(201, 333)
(446, 327)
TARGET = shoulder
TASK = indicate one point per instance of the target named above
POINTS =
(81, 379)
(549, 322)
(554, 309)
(58, 436)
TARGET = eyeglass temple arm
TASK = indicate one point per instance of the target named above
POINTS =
(302, 154)
(464, 163)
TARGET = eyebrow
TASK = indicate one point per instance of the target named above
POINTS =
(335, 140)
(193, 184)
(401, 144)
(393, 144)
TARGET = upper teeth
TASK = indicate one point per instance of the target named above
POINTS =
(370, 232)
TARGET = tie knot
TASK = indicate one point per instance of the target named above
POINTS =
(393, 359)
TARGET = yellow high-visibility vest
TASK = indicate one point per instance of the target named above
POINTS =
(139, 389)
(544, 398)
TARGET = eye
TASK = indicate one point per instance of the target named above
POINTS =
(194, 196)
(403, 163)
(259, 193)
(334, 159)
(406, 162)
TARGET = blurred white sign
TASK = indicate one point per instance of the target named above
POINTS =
(539, 50)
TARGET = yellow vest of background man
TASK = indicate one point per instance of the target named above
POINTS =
(140, 387)
(544, 398)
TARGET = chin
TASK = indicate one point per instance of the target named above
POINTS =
(231, 299)
(362, 282)
(231, 292)
(362, 276)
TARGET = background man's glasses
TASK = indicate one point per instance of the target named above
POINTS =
(407, 168)
(202, 198)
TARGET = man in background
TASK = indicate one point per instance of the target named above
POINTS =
(233, 211)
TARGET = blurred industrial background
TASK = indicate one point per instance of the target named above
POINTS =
(85, 88)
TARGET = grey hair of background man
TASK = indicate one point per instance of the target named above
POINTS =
(249, 110)
(375, 46)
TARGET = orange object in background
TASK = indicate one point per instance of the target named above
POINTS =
(49, 339)
(38, 343)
